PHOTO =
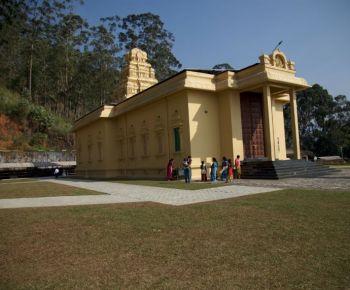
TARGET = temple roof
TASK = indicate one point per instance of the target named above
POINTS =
(218, 71)
(275, 69)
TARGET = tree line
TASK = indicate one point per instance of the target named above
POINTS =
(324, 122)
(53, 57)
(55, 67)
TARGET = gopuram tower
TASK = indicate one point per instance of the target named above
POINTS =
(136, 76)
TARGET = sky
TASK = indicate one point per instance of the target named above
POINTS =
(315, 33)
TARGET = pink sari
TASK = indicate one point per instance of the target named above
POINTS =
(169, 170)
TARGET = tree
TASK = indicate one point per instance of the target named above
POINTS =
(71, 34)
(342, 129)
(223, 66)
(12, 19)
(323, 122)
(57, 67)
(146, 31)
(50, 55)
(104, 49)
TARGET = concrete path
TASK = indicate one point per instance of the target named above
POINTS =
(123, 193)
(337, 181)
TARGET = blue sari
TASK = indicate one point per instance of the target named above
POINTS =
(214, 169)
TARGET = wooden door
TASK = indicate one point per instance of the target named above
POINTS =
(252, 125)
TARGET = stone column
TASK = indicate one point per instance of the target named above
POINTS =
(268, 124)
(295, 128)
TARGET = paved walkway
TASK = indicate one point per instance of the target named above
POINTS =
(123, 193)
(339, 180)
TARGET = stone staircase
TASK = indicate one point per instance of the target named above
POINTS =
(263, 169)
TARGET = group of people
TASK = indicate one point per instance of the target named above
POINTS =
(186, 165)
(228, 171)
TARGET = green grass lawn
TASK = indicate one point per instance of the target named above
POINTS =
(33, 188)
(179, 184)
(341, 166)
(290, 239)
(16, 180)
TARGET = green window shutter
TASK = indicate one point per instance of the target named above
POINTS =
(177, 139)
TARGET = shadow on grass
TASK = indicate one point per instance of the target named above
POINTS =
(175, 184)
(41, 189)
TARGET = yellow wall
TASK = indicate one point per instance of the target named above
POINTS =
(91, 150)
(180, 119)
(210, 125)
(215, 126)
(230, 124)
(203, 124)
(149, 129)
(225, 123)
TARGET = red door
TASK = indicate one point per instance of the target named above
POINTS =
(252, 125)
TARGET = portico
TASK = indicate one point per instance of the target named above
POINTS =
(263, 127)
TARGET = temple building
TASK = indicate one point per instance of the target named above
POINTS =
(202, 113)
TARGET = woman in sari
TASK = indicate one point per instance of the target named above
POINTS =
(214, 169)
(169, 169)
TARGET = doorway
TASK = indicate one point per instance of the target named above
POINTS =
(252, 125)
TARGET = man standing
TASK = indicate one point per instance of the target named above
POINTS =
(56, 172)
(186, 170)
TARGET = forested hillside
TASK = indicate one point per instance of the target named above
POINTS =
(25, 125)
(58, 67)
(55, 67)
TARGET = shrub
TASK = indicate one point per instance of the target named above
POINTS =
(38, 140)
(40, 119)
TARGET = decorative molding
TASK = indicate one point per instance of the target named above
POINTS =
(176, 120)
(277, 59)
(120, 134)
(89, 139)
(158, 125)
(100, 136)
(101, 112)
(144, 129)
(131, 131)
(285, 77)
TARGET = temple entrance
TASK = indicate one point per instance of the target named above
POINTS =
(252, 125)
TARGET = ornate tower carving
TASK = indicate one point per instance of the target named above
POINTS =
(277, 59)
(136, 76)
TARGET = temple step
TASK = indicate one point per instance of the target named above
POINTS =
(283, 169)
